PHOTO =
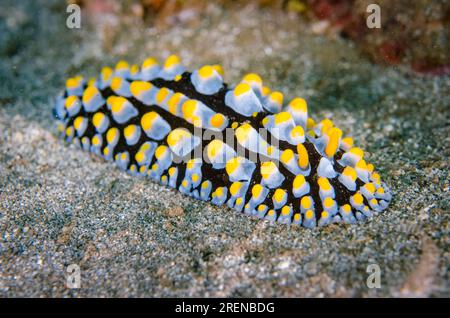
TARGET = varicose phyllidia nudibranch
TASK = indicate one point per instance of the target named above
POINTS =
(237, 146)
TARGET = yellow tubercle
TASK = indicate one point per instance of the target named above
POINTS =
(160, 152)
(72, 82)
(262, 207)
(285, 210)
(116, 82)
(106, 73)
(217, 120)
(241, 89)
(110, 100)
(117, 104)
(188, 108)
(335, 135)
(206, 71)
(327, 124)
(232, 165)
(129, 131)
(303, 157)
(214, 148)
(139, 156)
(267, 169)
(297, 132)
(279, 195)
(358, 198)
(299, 181)
(235, 188)
(138, 87)
(350, 172)
(176, 135)
(111, 134)
(357, 151)
(287, 156)
(197, 121)
(242, 132)
(310, 123)
(265, 90)
(91, 81)
(173, 102)
(148, 119)
(145, 147)
(299, 105)
(306, 202)
(149, 62)
(172, 171)
(70, 101)
(347, 208)
(161, 95)
(190, 164)
(348, 141)
(265, 120)
(376, 177)
(89, 93)
(218, 68)
(257, 190)
(361, 164)
(69, 131)
(134, 69)
(277, 97)
(121, 65)
(171, 61)
(328, 202)
(219, 192)
(98, 119)
(309, 214)
(282, 117)
(370, 187)
(324, 183)
(77, 122)
(252, 78)
(96, 140)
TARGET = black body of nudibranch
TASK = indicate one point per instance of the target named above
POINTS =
(237, 146)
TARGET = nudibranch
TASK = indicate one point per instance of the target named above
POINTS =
(239, 146)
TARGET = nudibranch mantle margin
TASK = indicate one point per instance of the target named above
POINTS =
(279, 164)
